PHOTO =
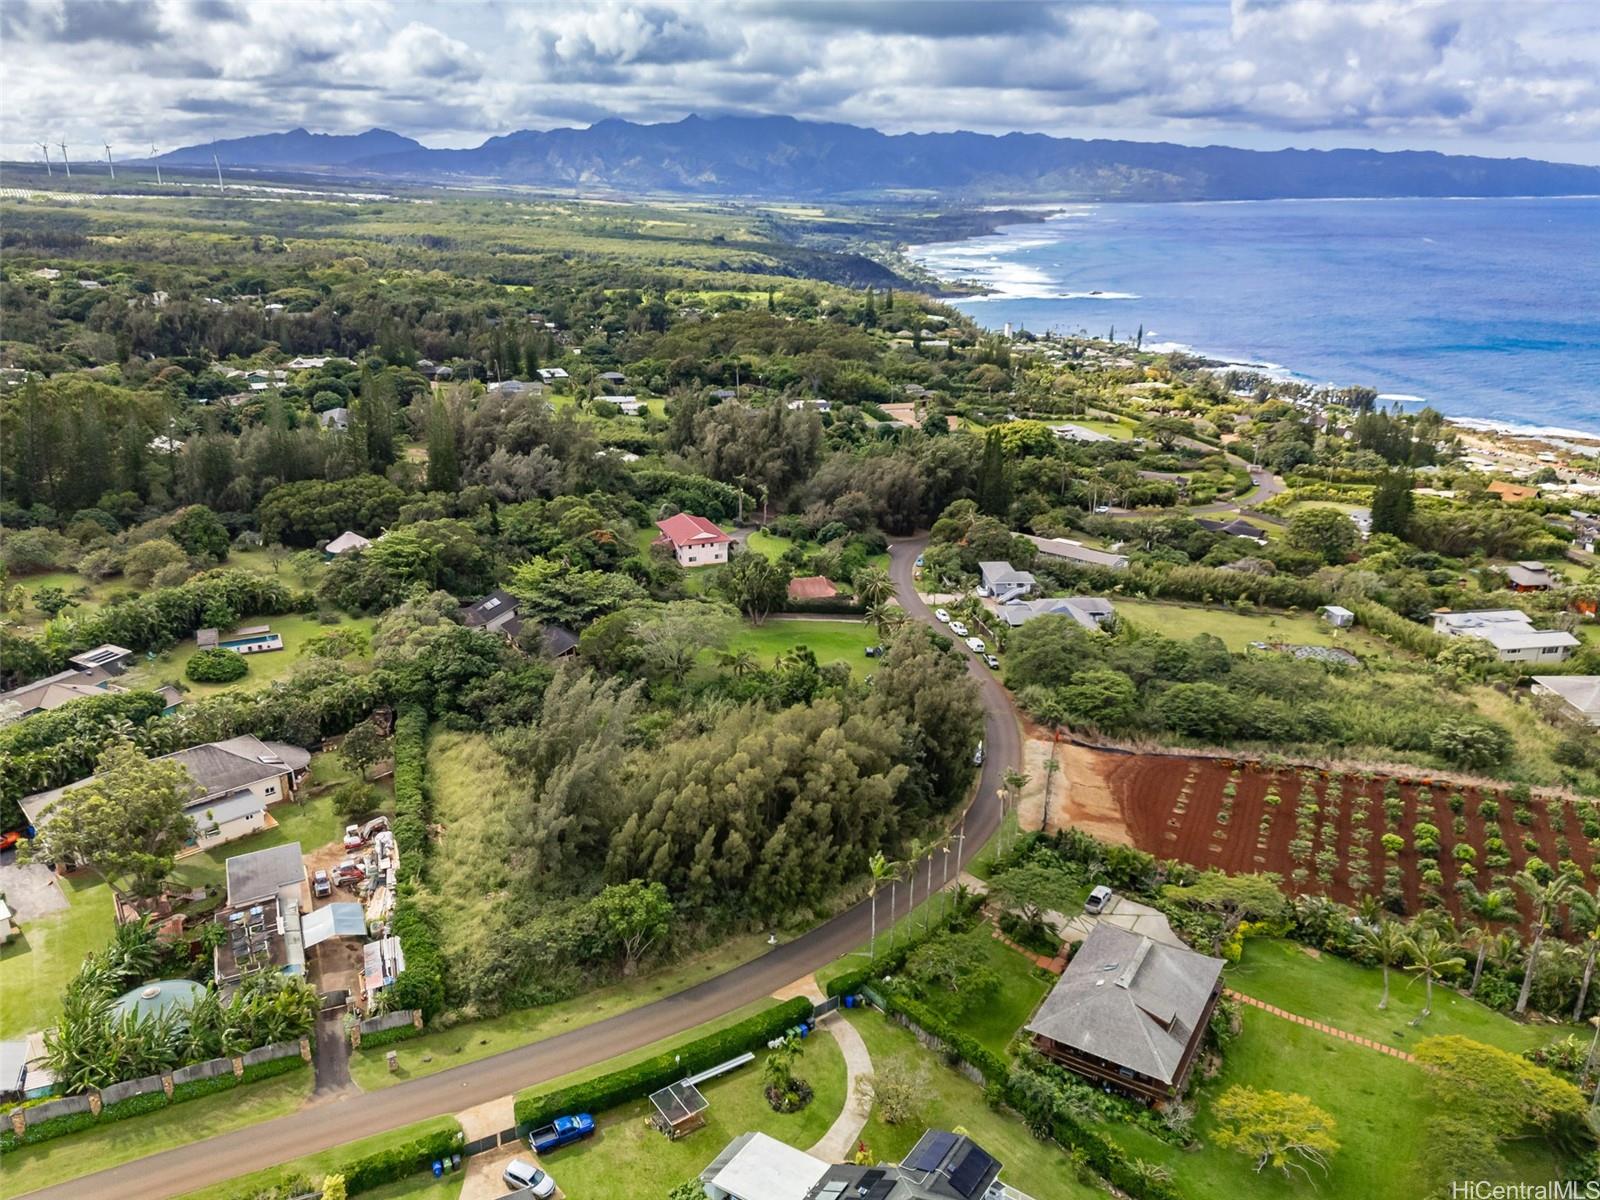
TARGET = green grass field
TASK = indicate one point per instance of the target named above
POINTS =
(264, 668)
(93, 1150)
(831, 641)
(625, 1152)
(1345, 995)
(36, 964)
(312, 824)
(1237, 630)
(994, 1022)
(950, 1101)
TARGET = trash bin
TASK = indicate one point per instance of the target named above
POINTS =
(438, 1168)
(849, 1001)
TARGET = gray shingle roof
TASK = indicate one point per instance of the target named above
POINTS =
(1130, 1001)
(257, 876)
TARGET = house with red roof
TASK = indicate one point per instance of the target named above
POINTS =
(695, 541)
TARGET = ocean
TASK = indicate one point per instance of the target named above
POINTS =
(1489, 310)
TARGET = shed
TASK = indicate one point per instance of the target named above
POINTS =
(680, 1109)
(107, 658)
(343, 919)
(812, 587)
(1337, 616)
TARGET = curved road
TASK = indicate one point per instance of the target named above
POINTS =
(346, 1118)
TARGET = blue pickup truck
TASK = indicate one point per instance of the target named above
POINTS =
(563, 1131)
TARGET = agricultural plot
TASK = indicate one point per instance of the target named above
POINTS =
(1347, 836)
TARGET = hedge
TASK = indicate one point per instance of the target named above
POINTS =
(135, 1106)
(216, 666)
(383, 1037)
(830, 604)
(618, 1087)
(421, 984)
(993, 1067)
(410, 789)
(399, 1162)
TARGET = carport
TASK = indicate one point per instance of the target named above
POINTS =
(342, 919)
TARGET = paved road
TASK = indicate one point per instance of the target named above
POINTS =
(346, 1118)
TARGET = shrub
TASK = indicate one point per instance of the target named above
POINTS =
(421, 984)
(384, 1037)
(410, 789)
(216, 666)
(273, 1066)
(399, 1162)
(630, 1083)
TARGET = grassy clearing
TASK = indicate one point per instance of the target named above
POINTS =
(1237, 630)
(625, 1151)
(831, 641)
(266, 667)
(996, 1021)
(948, 1101)
(315, 1166)
(420, 1187)
(312, 824)
(68, 1158)
(36, 964)
(1345, 995)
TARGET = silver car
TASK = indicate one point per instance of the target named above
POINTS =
(528, 1180)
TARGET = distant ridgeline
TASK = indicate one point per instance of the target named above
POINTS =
(781, 156)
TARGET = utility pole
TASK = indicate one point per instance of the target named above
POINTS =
(65, 161)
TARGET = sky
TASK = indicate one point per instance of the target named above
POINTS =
(1501, 77)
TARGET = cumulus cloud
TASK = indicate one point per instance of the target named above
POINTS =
(1446, 74)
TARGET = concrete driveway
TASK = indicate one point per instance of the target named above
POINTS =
(31, 891)
(1124, 914)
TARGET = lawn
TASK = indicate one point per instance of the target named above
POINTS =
(1345, 995)
(995, 1022)
(949, 1101)
(625, 1152)
(315, 1166)
(312, 824)
(36, 964)
(1237, 630)
(266, 667)
(769, 545)
(831, 641)
(1378, 1103)
(122, 1141)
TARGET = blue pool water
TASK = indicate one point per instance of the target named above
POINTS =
(261, 639)
(1486, 309)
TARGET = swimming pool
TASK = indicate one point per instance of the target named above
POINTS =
(254, 643)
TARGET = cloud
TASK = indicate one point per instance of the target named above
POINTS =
(1443, 74)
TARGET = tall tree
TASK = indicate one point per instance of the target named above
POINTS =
(1392, 504)
(1432, 957)
(1490, 909)
(1386, 942)
(444, 463)
(1546, 899)
(1584, 909)
(994, 482)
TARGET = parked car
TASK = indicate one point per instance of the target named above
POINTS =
(975, 644)
(10, 839)
(873, 651)
(981, 590)
(957, 628)
(977, 756)
(563, 1131)
(1102, 508)
(352, 837)
(1098, 899)
(321, 884)
(528, 1179)
(942, 615)
(994, 663)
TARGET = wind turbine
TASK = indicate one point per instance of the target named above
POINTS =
(218, 166)
(48, 170)
(158, 164)
(110, 166)
(64, 159)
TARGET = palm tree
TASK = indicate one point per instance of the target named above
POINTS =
(873, 586)
(737, 663)
(1491, 908)
(1385, 941)
(1432, 957)
(885, 616)
(1545, 898)
(881, 869)
(1584, 909)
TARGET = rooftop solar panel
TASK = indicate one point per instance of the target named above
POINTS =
(969, 1174)
(930, 1150)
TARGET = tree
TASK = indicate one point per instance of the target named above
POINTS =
(216, 665)
(994, 483)
(1392, 503)
(1282, 1130)
(1501, 1093)
(363, 746)
(671, 637)
(444, 463)
(873, 586)
(147, 559)
(128, 820)
(1324, 531)
(201, 533)
(1101, 697)
(1583, 911)
(1471, 743)
(1031, 890)
(50, 600)
(1545, 898)
(1235, 898)
(1491, 908)
(1165, 431)
(755, 585)
(955, 963)
(1431, 958)
(1386, 942)
(881, 869)
(634, 915)
(893, 1091)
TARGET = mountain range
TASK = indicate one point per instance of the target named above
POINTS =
(773, 157)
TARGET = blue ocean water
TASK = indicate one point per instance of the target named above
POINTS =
(1486, 309)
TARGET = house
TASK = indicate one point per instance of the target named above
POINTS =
(46, 273)
(1579, 695)
(1004, 582)
(695, 541)
(754, 1166)
(336, 419)
(1091, 612)
(628, 406)
(941, 1166)
(516, 387)
(1512, 493)
(1077, 552)
(821, 406)
(724, 394)
(426, 367)
(556, 641)
(1510, 631)
(493, 613)
(616, 377)
(162, 444)
(235, 782)
(262, 916)
(551, 374)
(13, 1069)
(1531, 576)
(1077, 433)
(50, 693)
(260, 875)
(111, 659)
(1129, 1013)
(347, 542)
(1234, 528)
(1337, 616)
(309, 364)
(812, 587)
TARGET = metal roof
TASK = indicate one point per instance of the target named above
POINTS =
(259, 875)
(342, 919)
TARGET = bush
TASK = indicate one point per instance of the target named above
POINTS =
(216, 666)
(371, 1041)
(630, 1083)
(273, 1066)
(890, 961)
(410, 789)
(399, 1162)
(196, 1088)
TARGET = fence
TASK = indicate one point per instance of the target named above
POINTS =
(383, 1024)
(195, 1072)
(130, 1088)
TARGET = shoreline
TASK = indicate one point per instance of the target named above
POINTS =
(980, 293)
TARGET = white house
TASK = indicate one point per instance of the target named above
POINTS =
(346, 543)
(1004, 582)
(755, 1166)
(1579, 694)
(628, 406)
(551, 374)
(1337, 616)
(695, 541)
(1078, 433)
(1510, 631)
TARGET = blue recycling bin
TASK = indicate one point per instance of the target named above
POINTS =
(438, 1168)
(849, 1001)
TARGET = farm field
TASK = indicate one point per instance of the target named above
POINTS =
(1323, 831)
